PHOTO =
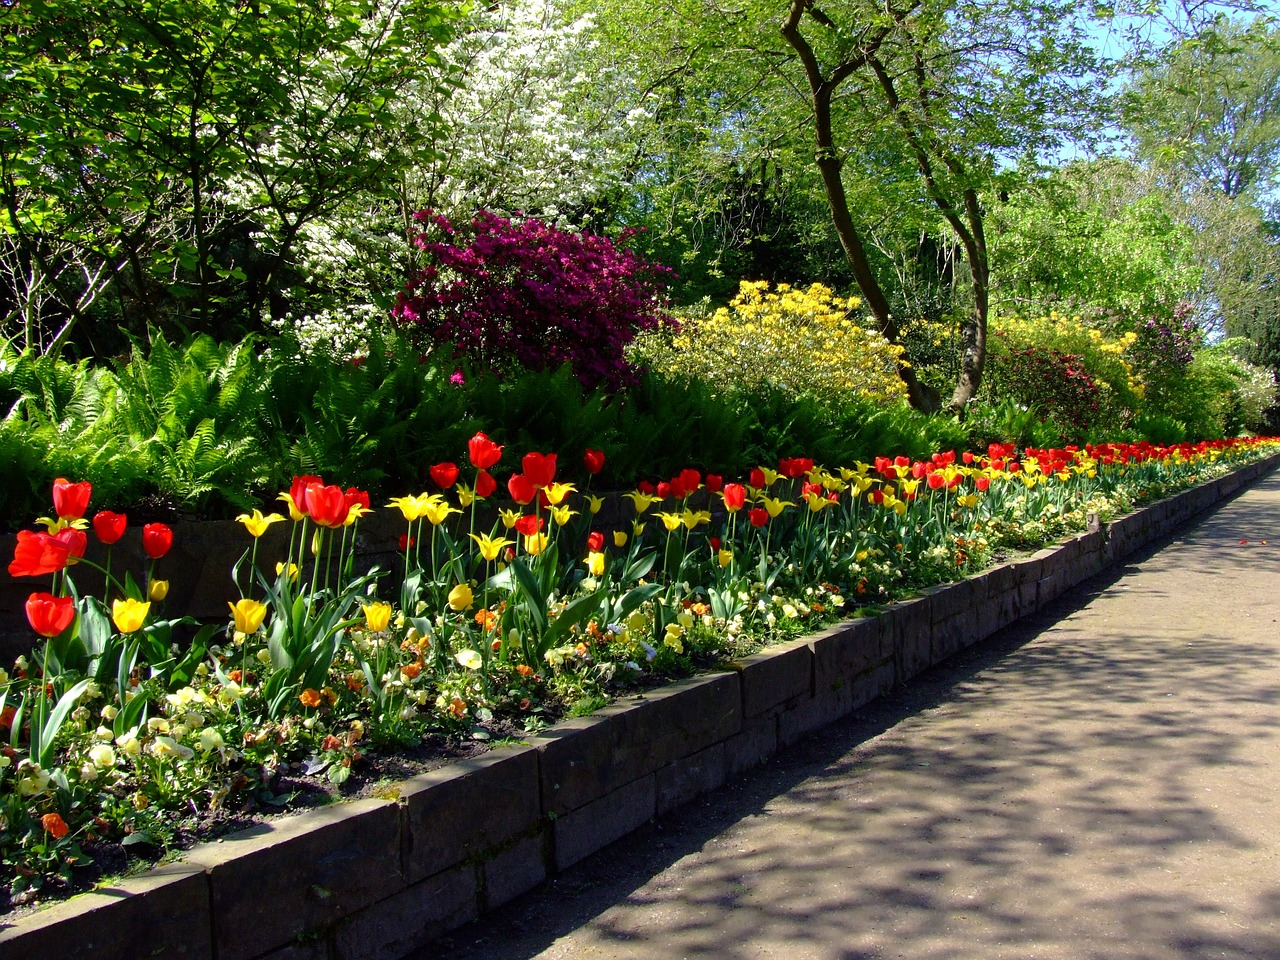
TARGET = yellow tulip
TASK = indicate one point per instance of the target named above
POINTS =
(695, 518)
(671, 521)
(257, 524)
(775, 507)
(294, 513)
(594, 504)
(437, 510)
(535, 543)
(129, 614)
(377, 616)
(817, 502)
(595, 563)
(292, 572)
(562, 515)
(410, 507)
(460, 598)
(489, 546)
(556, 492)
(248, 615)
(640, 500)
(357, 511)
(968, 500)
(725, 557)
(619, 538)
(509, 517)
(158, 590)
(466, 496)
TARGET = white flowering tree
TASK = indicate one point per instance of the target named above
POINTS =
(531, 122)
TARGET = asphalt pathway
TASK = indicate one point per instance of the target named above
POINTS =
(1097, 782)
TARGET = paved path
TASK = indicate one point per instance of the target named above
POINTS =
(1100, 782)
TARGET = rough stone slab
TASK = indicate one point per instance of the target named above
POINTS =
(1027, 570)
(392, 928)
(757, 742)
(1000, 579)
(662, 726)
(997, 613)
(910, 626)
(443, 827)
(276, 881)
(775, 677)
(690, 777)
(802, 719)
(845, 650)
(575, 759)
(513, 871)
(163, 913)
(952, 636)
(317, 949)
(593, 827)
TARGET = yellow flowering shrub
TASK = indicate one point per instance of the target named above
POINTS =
(799, 339)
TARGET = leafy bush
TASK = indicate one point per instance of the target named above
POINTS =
(506, 294)
(1068, 372)
(801, 341)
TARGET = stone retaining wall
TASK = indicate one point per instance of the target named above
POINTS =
(375, 879)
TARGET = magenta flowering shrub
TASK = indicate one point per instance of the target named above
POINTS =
(502, 292)
(1056, 384)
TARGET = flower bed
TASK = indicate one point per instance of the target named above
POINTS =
(377, 878)
(124, 716)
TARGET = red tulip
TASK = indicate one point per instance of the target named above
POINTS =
(75, 540)
(540, 468)
(521, 489)
(595, 541)
(662, 490)
(757, 479)
(735, 497)
(50, 615)
(982, 483)
(298, 490)
(677, 489)
(326, 505)
(645, 487)
(157, 538)
(109, 526)
(593, 460)
(936, 480)
(485, 484)
(444, 475)
(484, 453)
(37, 554)
(714, 543)
(354, 497)
(690, 479)
(405, 542)
(70, 500)
(759, 516)
(715, 483)
(528, 525)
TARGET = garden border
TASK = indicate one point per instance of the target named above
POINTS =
(375, 879)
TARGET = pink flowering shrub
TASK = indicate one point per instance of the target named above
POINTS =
(502, 292)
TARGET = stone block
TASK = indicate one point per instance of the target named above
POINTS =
(846, 650)
(952, 636)
(660, 727)
(910, 626)
(775, 676)
(512, 871)
(690, 777)
(442, 828)
(162, 914)
(396, 926)
(278, 881)
(575, 759)
(584, 831)
(756, 743)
